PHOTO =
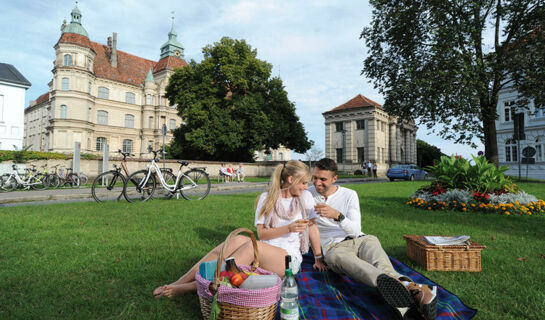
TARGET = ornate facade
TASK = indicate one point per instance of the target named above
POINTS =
(101, 95)
(361, 130)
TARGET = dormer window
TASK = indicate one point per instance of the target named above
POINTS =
(67, 60)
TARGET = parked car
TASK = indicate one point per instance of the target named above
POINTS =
(406, 172)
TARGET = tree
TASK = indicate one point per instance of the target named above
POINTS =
(232, 107)
(430, 61)
(427, 154)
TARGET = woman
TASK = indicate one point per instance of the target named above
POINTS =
(279, 213)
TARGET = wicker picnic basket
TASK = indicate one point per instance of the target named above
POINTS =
(235, 303)
(466, 257)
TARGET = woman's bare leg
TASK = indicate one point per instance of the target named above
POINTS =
(189, 276)
(270, 257)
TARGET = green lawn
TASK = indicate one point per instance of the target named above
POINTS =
(102, 261)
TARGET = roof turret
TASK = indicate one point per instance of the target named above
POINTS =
(75, 24)
(172, 47)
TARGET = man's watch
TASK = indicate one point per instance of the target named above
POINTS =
(340, 218)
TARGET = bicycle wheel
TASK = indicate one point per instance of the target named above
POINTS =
(73, 181)
(41, 181)
(83, 179)
(136, 190)
(108, 186)
(161, 192)
(53, 180)
(7, 183)
(195, 184)
(36, 184)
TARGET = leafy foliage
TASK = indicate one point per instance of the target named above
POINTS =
(430, 61)
(426, 153)
(482, 176)
(22, 156)
(231, 106)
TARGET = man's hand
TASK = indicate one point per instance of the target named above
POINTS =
(326, 211)
(319, 265)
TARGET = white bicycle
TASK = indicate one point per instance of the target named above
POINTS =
(194, 184)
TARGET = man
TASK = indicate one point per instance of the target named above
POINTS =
(349, 251)
(240, 173)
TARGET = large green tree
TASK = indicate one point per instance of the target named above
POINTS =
(427, 154)
(431, 61)
(232, 107)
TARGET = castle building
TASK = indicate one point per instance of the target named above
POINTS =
(360, 130)
(100, 95)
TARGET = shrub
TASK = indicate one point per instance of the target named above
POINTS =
(521, 197)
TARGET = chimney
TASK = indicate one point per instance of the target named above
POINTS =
(114, 51)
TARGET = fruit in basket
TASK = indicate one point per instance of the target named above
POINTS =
(236, 280)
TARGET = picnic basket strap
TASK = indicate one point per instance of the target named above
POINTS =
(221, 258)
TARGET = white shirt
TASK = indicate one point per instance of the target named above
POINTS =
(346, 202)
(289, 241)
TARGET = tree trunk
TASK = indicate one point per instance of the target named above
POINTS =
(489, 128)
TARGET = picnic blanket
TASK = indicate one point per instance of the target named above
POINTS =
(327, 295)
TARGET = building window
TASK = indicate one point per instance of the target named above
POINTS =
(101, 142)
(280, 156)
(339, 127)
(127, 145)
(339, 155)
(150, 122)
(1, 107)
(102, 117)
(89, 88)
(361, 154)
(540, 148)
(65, 84)
(89, 62)
(150, 144)
(360, 124)
(172, 124)
(540, 112)
(509, 110)
(130, 97)
(67, 60)
(148, 99)
(89, 115)
(382, 126)
(129, 121)
(103, 93)
(63, 111)
(511, 154)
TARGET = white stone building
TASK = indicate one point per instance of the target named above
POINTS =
(364, 131)
(534, 122)
(101, 95)
(13, 86)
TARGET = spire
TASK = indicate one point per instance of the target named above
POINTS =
(75, 24)
(149, 77)
(172, 47)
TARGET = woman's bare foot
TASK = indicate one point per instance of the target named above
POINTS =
(158, 292)
(173, 290)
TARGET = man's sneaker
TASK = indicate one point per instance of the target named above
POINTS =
(425, 298)
(394, 292)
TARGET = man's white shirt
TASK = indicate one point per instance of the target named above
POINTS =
(346, 202)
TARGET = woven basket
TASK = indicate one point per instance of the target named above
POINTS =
(267, 298)
(465, 257)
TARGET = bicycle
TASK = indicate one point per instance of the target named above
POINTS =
(12, 181)
(113, 181)
(53, 178)
(194, 184)
(71, 179)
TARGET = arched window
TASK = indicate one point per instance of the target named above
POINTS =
(65, 84)
(102, 117)
(101, 142)
(540, 148)
(67, 60)
(127, 145)
(89, 88)
(150, 122)
(103, 93)
(511, 154)
(130, 97)
(172, 124)
(148, 99)
(63, 111)
(129, 121)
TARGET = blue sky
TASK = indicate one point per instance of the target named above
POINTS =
(314, 45)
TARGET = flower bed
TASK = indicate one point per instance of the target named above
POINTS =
(462, 186)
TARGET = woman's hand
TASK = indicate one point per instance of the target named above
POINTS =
(297, 226)
(319, 264)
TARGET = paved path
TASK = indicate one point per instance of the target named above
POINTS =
(84, 194)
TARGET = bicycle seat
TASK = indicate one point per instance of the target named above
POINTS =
(183, 163)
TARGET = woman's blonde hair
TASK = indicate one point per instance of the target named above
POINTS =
(293, 168)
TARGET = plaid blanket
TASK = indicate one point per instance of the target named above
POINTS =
(327, 295)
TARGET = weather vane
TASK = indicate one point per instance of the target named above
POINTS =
(172, 18)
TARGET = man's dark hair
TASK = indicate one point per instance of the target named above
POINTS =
(326, 164)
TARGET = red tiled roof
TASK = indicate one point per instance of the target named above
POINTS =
(358, 101)
(43, 98)
(130, 68)
(169, 63)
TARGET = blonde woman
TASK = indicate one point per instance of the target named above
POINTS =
(284, 218)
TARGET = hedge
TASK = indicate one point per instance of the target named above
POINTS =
(23, 156)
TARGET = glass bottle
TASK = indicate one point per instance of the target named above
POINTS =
(289, 305)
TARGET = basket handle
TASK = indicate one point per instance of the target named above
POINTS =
(255, 264)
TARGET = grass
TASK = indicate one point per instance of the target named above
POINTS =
(102, 261)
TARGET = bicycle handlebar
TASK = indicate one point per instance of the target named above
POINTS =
(125, 154)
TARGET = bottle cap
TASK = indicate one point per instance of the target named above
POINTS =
(288, 261)
(288, 273)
